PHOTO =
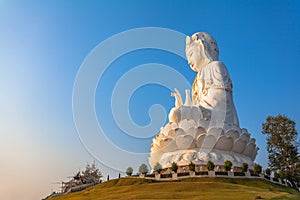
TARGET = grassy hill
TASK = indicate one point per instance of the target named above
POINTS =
(189, 188)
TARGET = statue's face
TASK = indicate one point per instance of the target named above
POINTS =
(194, 56)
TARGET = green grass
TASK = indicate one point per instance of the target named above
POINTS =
(189, 188)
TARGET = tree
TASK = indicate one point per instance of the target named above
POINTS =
(129, 171)
(282, 147)
(174, 167)
(276, 176)
(157, 168)
(227, 165)
(210, 165)
(192, 166)
(268, 172)
(143, 169)
(244, 167)
(257, 169)
(281, 175)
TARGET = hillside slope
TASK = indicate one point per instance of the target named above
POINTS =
(189, 188)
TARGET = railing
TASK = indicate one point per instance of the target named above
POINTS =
(229, 174)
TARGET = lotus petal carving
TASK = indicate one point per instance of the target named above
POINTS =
(190, 135)
(224, 143)
(196, 113)
(209, 142)
(249, 149)
(175, 115)
(254, 153)
(244, 130)
(217, 132)
(239, 146)
(175, 132)
(184, 142)
(168, 127)
(186, 112)
(154, 147)
(160, 136)
(192, 131)
(187, 124)
(253, 140)
(170, 147)
(203, 123)
(233, 133)
(245, 137)
(164, 142)
(200, 140)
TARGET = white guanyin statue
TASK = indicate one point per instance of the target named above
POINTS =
(206, 127)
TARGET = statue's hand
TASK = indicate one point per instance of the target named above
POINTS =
(205, 91)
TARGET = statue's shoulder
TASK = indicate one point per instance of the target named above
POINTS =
(218, 66)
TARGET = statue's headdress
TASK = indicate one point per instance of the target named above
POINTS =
(209, 43)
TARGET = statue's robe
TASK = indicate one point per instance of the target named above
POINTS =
(212, 91)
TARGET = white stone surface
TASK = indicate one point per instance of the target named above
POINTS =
(205, 127)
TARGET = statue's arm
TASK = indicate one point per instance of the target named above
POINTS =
(220, 76)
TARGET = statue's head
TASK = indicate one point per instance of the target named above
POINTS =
(201, 49)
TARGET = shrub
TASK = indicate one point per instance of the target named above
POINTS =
(143, 169)
(192, 166)
(257, 169)
(129, 171)
(244, 167)
(174, 167)
(157, 167)
(268, 172)
(276, 176)
(210, 165)
(227, 165)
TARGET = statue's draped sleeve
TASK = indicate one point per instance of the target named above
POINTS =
(210, 80)
(214, 75)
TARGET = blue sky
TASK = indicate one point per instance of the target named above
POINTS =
(43, 44)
